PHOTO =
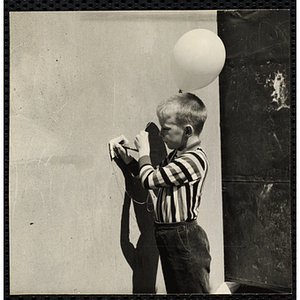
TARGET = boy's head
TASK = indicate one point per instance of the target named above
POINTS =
(187, 109)
(185, 113)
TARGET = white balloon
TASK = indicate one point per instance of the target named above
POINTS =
(198, 58)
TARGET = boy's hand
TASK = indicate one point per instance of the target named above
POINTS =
(142, 143)
(116, 147)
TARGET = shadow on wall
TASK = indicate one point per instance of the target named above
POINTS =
(143, 259)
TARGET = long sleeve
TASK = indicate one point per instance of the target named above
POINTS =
(189, 167)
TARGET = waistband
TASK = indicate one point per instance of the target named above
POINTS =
(164, 226)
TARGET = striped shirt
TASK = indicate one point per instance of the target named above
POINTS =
(180, 181)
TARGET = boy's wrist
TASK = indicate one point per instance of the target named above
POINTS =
(144, 160)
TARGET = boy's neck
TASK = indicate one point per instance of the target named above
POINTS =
(192, 143)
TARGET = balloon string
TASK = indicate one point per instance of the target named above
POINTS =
(148, 199)
(119, 188)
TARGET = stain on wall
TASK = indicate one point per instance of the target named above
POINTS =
(280, 90)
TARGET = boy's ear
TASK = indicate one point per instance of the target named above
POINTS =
(188, 130)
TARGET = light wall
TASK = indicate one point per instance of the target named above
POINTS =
(78, 79)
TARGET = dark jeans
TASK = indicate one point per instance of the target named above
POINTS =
(185, 258)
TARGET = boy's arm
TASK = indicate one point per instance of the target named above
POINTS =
(189, 167)
(134, 166)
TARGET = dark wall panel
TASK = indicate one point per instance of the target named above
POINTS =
(257, 234)
(254, 88)
(255, 133)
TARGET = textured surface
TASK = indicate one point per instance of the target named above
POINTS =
(77, 80)
(255, 128)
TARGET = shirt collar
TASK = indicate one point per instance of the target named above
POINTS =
(189, 148)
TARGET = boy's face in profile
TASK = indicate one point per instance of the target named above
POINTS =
(172, 134)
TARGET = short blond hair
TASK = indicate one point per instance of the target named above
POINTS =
(187, 108)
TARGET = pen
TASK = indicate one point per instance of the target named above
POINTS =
(129, 148)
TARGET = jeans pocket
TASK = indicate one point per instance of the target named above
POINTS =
(184, 239)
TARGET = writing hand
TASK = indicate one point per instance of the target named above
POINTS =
(118, 146)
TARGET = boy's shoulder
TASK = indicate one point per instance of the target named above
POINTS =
(198, 151)
(198, 154)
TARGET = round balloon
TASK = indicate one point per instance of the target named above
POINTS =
(198, 58)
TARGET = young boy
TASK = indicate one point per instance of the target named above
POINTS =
(182, 243)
